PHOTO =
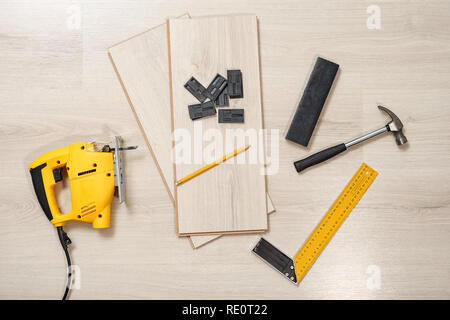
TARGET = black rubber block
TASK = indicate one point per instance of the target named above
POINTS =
(196, 89)
(197, 111)
(231, 115)
(216, 87)
(312, 101)
(222, 100)
(235, 89)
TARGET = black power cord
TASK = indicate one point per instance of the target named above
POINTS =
(65, 242)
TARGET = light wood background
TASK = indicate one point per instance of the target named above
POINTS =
(58, 87)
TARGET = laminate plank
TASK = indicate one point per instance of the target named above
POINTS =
(234, 193)
(199, 241)
(141, 63)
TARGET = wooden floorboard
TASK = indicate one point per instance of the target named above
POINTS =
(234, 193)
(58, 87)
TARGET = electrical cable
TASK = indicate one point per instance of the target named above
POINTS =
(65, 242)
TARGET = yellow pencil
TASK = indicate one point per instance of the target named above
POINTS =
(212, 165)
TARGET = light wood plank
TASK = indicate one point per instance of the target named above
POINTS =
(199, 241)
(234, 193)
(141, 63)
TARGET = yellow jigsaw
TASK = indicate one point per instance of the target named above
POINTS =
(95, 174)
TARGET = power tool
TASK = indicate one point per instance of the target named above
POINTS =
(95, 174)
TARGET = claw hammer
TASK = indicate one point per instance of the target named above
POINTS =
(395, 126)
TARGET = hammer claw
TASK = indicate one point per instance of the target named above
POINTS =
(395, 126)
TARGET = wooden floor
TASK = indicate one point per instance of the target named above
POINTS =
(58, 87)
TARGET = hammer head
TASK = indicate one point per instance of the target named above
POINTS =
(395, 126)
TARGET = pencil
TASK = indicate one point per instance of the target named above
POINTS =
(211, 165)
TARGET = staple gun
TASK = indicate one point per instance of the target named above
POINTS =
(95, 174)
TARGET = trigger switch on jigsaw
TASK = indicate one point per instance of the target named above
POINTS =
(57, 174)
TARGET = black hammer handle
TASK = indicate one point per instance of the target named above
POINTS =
(319, 157)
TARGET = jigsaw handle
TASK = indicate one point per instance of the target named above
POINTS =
(45, 173)
(39, 188)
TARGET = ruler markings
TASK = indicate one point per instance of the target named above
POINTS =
(333, 219)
